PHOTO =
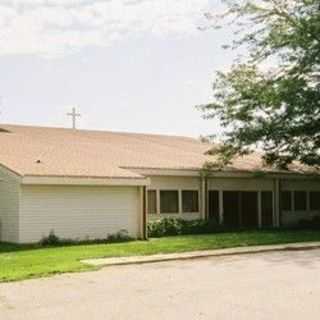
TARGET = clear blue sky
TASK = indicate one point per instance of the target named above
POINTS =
(128, 65)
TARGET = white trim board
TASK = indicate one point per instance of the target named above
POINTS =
(32, 180)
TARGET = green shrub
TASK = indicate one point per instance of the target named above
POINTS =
(121, 236)
(50, 240)
(54, 240)
(176, 226)
(313, 223)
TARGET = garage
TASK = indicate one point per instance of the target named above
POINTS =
(78, 212)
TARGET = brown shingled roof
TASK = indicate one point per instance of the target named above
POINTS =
(43, 151)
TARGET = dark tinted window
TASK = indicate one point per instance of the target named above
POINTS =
(190, 201)
(214, 205)
(286, 200)
(300, 200)
(169, 201)
(314, 200)
(152, 201)
(267, 208)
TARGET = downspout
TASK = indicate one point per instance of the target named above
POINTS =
(144, 214)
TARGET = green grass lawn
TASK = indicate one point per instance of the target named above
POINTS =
(19, 262)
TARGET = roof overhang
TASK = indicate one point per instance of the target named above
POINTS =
(84, 181)
(264, 175)
(149, 172)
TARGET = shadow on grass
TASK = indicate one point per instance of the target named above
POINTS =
(6, 247)
(11, 247)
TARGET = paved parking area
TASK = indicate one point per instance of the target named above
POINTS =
(279, 285)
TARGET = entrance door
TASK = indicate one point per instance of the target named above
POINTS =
(231, 209)
(267, 209)
(214, 206)
(249, 209)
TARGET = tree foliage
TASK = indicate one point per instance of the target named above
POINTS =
(271, 98)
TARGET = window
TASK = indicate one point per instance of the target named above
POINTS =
(190, 201)
(267, 208)
(169, 201)
(300, 201)
(286, 200)
(314, 200)
(214, 205)
(152, 201)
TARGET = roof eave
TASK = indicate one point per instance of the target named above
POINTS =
(85, 181)
(193, 172)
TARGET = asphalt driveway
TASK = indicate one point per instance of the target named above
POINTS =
(281, 285)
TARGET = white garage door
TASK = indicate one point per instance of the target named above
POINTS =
(78, 212)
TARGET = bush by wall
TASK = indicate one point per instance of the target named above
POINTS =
(50, 240)
(176, 226)
(313, 223)
(53, 240)
(121, 236)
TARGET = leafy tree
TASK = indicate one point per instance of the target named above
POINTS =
(271, 98)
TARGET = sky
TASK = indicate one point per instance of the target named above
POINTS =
(126, 65)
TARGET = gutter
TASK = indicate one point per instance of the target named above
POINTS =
(85, 181)
(144, 214)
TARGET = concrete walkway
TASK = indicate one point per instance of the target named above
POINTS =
(104, 262)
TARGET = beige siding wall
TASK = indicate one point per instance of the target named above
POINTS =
(9, 206)
(311, 185)
(78, 212)
(179, 184)
(241, 184)
(291, 218)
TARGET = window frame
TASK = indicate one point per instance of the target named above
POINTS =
(197, 204)
(161, 211)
